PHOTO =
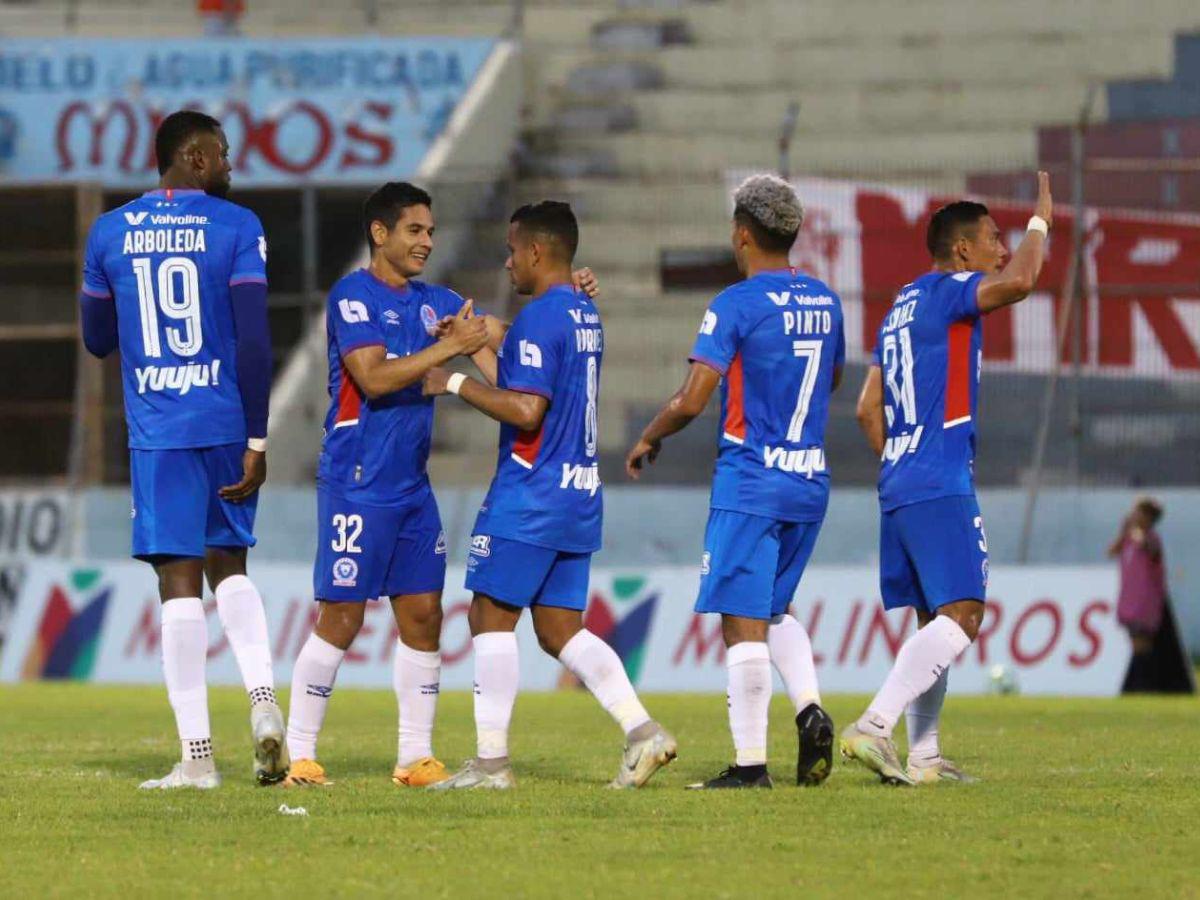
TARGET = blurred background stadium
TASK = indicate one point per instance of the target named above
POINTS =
(642, 113)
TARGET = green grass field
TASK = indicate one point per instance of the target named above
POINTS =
(1080, 798)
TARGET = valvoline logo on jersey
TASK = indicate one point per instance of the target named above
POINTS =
(68, 634)
(622, 617)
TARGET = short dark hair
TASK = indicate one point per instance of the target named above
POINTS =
(552, 218)
(1151, 508)
(948, 224)
(769, 239)
(387, 205)
(176, 130)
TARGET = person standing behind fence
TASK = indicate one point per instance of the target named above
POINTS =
(1143, 593)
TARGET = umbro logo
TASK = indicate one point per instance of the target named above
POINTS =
(391, 316)
(135, 218)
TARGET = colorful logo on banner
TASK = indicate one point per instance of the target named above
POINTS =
(623, 619)
(68, 634)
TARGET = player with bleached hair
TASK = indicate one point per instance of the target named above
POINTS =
(917, 409)
(775, 344)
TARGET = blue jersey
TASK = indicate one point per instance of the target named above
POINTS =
(375, 450)
(546, 491)
(168, 260)
(777, 339)
(930, 351)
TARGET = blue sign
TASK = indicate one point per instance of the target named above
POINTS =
(322, 111)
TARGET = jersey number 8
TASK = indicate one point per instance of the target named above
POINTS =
(179, 299)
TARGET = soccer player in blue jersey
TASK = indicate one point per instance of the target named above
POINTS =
(540, 522)
(379, 530)
(176, 279)
(775, 344)
(917, 408)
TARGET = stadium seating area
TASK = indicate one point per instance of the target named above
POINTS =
(636, 110)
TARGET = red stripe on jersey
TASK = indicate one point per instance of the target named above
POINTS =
(349, 399)
(735, 409)
(958, 372)
(527, 444)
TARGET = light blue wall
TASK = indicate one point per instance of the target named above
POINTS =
(666, 525)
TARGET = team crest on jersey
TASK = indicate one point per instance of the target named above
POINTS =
(481, 545)
(345, 572)
(440, 547)
(706, 563)
(429, 319)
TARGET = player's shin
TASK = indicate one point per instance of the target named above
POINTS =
(749, 670)
(792, 656)
(416, 678)
(921, 719)
(185, 651)
(497, 672)
(920, 662)
(244, 621)
(312, 685)
(597, 665)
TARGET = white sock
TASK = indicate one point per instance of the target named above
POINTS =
(597, 665)
(749, 665)
(416, 678)
(184, 655)
(312, 686)
(791, 652)
(922, 717)
(245, 622)
(497, 671)
(921, 661)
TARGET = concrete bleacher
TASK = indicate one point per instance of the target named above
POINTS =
(636, 109)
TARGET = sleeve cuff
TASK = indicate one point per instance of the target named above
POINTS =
(358, 345)
(531, 389)
(720, 368)
(98, 293)
(252, 278)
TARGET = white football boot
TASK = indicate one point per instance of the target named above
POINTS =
(643, 758)
(270, 748)
(188, 774)
(472, 776)
(941, 770)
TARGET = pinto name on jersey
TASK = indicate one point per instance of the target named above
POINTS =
(777, 339)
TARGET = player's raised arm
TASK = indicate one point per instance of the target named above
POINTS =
(685, 404)
(376, 375)
(870, 410)
(1018, 278)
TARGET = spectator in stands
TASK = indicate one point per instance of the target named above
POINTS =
(220, 17)
(1143, 591)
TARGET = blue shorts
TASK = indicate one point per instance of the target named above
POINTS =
(932, 553)
(752, 565)
(367, 552)
(525, 575)
(176, 508)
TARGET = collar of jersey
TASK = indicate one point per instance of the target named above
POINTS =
(401, 293)
(555, 287)
(175, 192)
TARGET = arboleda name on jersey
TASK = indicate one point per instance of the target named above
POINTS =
(166, 240)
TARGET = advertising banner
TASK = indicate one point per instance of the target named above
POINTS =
(1142, 275)
(329, 111)
(1047, 630)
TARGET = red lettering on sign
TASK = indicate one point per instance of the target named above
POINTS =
(848, 635)
(814, 619)
(879, 626)
(703, 643)
(146, 632)
(1018, 653)
(1096, 607)
(99, 122)
(378, 143)
(988, 627)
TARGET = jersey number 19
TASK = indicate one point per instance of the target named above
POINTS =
(179, 299)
